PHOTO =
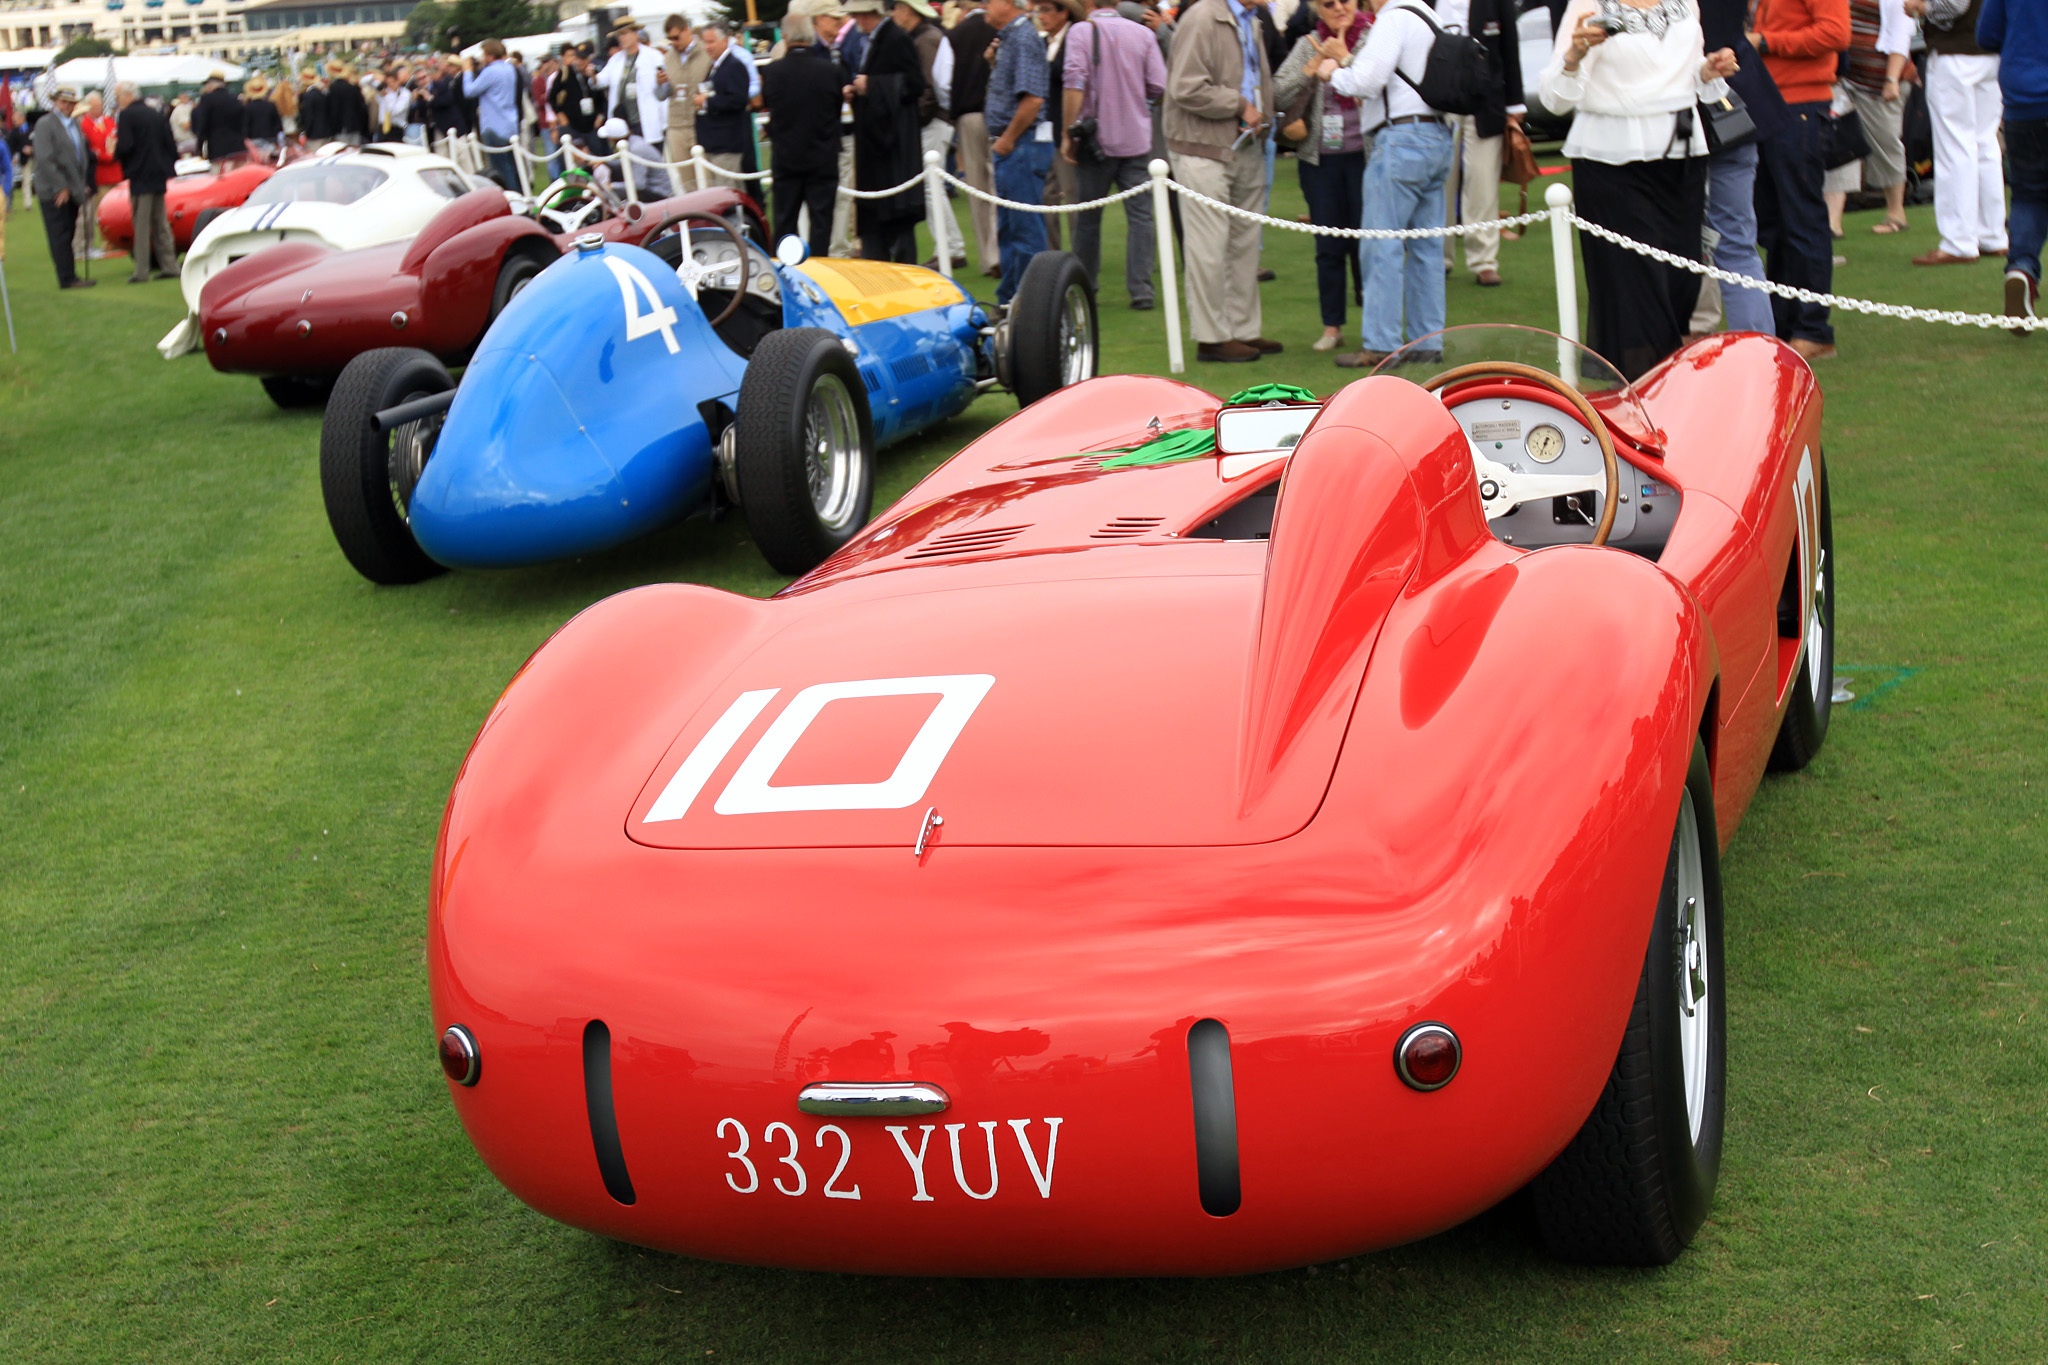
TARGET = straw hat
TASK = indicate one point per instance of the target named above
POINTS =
(921, 7)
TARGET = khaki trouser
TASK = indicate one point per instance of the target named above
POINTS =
(1472, 194)
(978, 168)
(1059, 189)
(1221, 251)
(153, 232)
(676, 147)
(842, 207)
(724, 161)
(88, 224)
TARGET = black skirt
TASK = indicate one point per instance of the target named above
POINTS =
(1637, 309)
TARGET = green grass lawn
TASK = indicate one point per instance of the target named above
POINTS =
(223, 1135)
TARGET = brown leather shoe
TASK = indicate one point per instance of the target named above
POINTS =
(1225, 352)
(1812, 350)
(1940, 257)
(1263, 345)
(1488, 279)
(1361, 360)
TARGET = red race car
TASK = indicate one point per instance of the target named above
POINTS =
(1177, 838)
(191, 201)
(295, 313)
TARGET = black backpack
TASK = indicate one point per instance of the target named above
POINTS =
(1459, 77)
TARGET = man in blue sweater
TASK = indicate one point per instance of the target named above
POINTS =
(2018, 33)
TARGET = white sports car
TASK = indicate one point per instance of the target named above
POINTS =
(344, 198)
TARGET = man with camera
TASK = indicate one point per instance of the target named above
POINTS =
(1113, 73)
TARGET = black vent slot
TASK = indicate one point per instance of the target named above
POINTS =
(1127, 528)
(604, 1122)
(871, 378)
(910, 367)
(1215, 1118)
(978, 540)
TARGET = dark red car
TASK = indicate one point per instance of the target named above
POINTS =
(296, 313)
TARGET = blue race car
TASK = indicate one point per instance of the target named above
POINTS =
(625, 388)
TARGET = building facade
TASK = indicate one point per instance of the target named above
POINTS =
(218, 28)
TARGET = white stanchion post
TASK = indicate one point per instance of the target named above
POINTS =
(698, 163)
(1169, 287)
(936, 210)
(1559, 198)
(626, 169)
(522, 172)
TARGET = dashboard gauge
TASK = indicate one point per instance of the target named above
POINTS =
(1545, 443)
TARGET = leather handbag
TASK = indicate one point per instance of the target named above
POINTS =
(1846, 141)
(1083, 134)
(1293, 120)
(1727, 123)
(1518, 166)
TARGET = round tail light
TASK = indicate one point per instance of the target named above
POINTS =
(459, 1056)
(1428, 1056)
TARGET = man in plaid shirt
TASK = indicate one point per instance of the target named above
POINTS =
(1017, 84)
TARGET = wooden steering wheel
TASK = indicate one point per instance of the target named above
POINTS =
(1503, 489)
(693, 275)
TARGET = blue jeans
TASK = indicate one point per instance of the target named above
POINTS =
(1020, 177)
(2026, 149)
(1404, 188)
(504, 169)
(1731, 211)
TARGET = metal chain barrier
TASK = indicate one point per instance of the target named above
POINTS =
(1559, 213)
(1362, 234)
(1002, 203)
(1784, 291)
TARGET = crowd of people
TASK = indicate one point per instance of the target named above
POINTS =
(1711, 129)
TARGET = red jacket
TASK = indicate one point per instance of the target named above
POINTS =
(1799, 39)
(99, 135)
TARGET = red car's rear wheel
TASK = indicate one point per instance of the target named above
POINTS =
(1634, 1185)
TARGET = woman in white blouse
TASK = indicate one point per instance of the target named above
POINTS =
(1633, 72)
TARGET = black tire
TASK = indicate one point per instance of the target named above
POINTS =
(519, 270)
(367, 476)
(205, 218)
(1053, 336)
(1805, 726)
(801, 509)
(296, 390)
(1635, 1184)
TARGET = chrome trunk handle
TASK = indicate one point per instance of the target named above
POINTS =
(858, 1099)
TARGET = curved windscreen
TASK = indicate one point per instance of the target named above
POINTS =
(1613, 397)
(319, 182)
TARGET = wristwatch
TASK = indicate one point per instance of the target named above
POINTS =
(1763, 48)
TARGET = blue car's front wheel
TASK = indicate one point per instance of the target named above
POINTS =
(803, 448)
(367, 474)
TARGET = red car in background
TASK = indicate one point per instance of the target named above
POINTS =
(192, 201)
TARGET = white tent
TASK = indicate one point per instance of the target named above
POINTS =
(27, 58)
(533, 46)
(149, 73)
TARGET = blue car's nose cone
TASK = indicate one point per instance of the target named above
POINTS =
(515, 478)
(576, 426)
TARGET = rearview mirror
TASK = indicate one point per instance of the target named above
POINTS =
(792, 250)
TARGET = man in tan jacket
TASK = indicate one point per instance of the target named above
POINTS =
(688, 65)
(1218, 113)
